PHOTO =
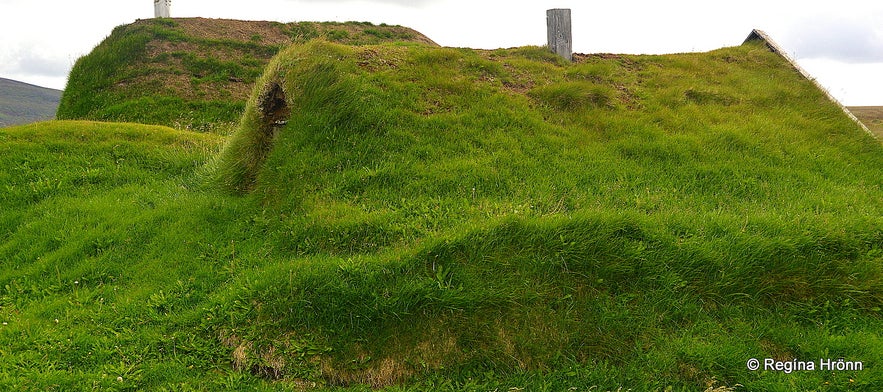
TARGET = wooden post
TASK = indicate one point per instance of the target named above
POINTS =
(559, 32)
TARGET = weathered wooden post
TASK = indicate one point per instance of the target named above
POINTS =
(162, 8)
(559, 32)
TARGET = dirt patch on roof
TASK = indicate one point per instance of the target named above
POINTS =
(277, 33)
(264, 32)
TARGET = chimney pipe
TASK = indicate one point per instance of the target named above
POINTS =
(162, 8)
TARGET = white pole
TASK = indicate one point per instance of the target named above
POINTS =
(162, 8)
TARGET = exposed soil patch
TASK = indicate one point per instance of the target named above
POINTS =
(274, 108)
(183, 69)
(263, 32)
(373, 61)
(275, 33)
(625, 61)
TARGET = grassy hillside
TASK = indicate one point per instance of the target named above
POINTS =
(193, 73)
(871, 116)
(428, 218)
(22, 103)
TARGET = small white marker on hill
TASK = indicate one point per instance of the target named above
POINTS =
(162, 8)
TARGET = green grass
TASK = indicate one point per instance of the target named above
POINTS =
(452, 219)
(178, 73)
(121, 80)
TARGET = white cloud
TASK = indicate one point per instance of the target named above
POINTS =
(852, 39)
(404, 3)
(852, 84)
(848, 31)
(36, 62)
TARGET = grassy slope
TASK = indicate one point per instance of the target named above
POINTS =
(192, 73)
(84, 206)
(457, 219)
(22, 103)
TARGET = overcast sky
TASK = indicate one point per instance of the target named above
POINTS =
(840, 42)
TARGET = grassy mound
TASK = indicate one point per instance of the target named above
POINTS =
(453, 219)
(503, 210)
(192, 73)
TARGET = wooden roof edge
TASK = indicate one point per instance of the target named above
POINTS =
(760, 35)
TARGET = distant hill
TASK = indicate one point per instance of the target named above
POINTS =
(194, 73)
(22, 103)
(871, 116)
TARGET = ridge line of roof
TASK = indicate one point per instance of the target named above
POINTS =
(760, 35)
